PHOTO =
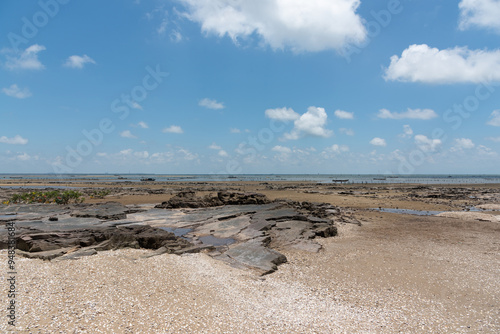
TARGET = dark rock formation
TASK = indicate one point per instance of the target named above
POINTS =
(106, 211)
(104, 238)
(188, 199)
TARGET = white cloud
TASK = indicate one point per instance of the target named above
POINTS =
(422, 114)
(23, 157)
(483, 150)
(15, 91)
(234, 130)
(495, 118)
(344, 114)
(312, 25)
(16, 140)
(420, 63)
(378, 142)
(136, 105)
(127, 134)
(143, 125)
(126, 152)
(214, 146)
(211, 104)
(25, 60)
(407, 131)
(163, 26)
(187, 155)
(495, 139)
(480, 13)
(222, 153)
(281, 149)
(173, 129)
(282, 114)
(337, 149)
(176, 36)
(347, 132)
(142, 155)
(463, 144)
(78, 61)
(310, 123)
(426, 144)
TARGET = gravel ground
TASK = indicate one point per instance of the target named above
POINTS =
(394, 274)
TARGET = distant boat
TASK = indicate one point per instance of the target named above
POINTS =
(145, 179)
(379, 178)
(340, 180)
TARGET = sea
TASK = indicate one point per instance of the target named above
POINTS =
(319, 178)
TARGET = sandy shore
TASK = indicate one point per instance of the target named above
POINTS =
(395, 273)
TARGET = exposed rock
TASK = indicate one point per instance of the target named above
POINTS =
(134, 236)
(106, 211)
(256, 256)
(188, 199)
(244, 235)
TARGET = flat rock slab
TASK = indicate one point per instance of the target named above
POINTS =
(62, 224)
(245, 235)
(106, 211)
(256, 256)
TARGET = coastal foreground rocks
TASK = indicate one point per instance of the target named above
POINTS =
(245, 230)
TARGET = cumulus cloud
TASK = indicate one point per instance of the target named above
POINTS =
(422, 114)
(78, 61)
(222, 153)
(344, 114)
(25, 60)
(313, 25)
(421, 63)
(462, 144)
(211, 104)
(281, 149)
(378, 142)
(214, 146)
(127, 134)
(494, 118)
(173, 129)
(407, 131)
(143, 125)
(16, 140)
(282, 114)
(337, 149)
(426, 144)
(311, 123)
(347, 132)
(479, 13)
(234, 130)
(15, 91)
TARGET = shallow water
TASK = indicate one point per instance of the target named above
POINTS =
(409, 211)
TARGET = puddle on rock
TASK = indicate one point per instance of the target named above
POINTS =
(409, 211)
(8, 216)
(214, 241)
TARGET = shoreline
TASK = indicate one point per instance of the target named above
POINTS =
(395, 273)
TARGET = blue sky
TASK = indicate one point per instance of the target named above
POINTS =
(246, 86)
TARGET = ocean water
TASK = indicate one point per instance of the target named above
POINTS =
(320, 178)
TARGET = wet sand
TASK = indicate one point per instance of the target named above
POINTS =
(395, 273)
